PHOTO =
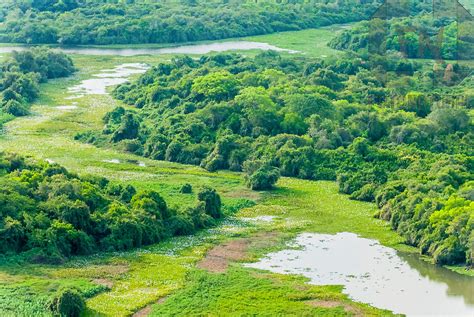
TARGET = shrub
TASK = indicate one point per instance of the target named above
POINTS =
(212, 202)
(260, 175)
(15, 108)
(67, 302)
(186, 189)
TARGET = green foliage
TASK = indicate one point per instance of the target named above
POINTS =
(186, 189)
(421, 36)
(21, 74)
(260, 175)
(50, 214)
(74, 22)
(360, 120)
(212, 202)
(67, 303)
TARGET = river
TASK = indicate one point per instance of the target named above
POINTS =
(374, 274)
(182, 49)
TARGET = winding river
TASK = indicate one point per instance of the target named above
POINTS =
(182, 49)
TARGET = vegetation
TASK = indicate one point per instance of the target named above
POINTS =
(236, 293)
(260, 175)
(67, 302)
(139, 277)
(414, 37)
(138, 21)
(384, 138)
(21, 75)
(394, 134)
(50, 214)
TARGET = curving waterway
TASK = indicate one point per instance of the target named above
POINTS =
(182, 49)
(374, 274)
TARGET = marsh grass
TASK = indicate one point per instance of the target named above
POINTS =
(310, 42)
(243, 292)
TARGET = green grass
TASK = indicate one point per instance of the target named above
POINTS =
(318, 207)
(311, 42)
(242, 292)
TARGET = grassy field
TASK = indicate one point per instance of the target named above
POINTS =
(311, 42)
(119, 284)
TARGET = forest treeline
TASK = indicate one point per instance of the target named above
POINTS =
(49, 214)
(415, 37)
(73, 22)
(21, 75)
(388, 130)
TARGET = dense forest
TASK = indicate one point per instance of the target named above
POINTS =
(414, 37)
(127, 22)
(21, 75)
(49, 214)
(403, 141)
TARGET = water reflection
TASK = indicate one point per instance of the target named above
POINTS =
(182, 49)
(375, 274)
(106, 78)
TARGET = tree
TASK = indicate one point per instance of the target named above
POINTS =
(306, 105)
(218, 86)
(152, 203)
(15, 108)
(260, 175)
(212, 202)
(417, 102)
(67, 302)
(259, 109)
(128, 128)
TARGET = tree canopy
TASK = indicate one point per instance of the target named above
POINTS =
(402, 140)
(73, 22)
(48, 214)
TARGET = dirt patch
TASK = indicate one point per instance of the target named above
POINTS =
(143, 312)
(217, 260)
(333, 304)
(147, 310)
(104, 282)
(243, 193)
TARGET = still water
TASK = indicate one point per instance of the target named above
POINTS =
(374, 274)
(183, 49)
(106, 78)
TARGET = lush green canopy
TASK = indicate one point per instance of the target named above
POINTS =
(140, 21)
(21, 75)
(49, 213)
(402, 140)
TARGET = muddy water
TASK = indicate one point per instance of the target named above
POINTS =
(375, 274)
(183, 49)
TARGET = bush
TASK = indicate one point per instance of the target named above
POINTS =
(15, 108)
(67, 302)
(260, 175)
(212, 202)
(186, 189)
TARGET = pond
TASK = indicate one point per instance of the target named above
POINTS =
(182, 49)
(106, 78)
(374, 274)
